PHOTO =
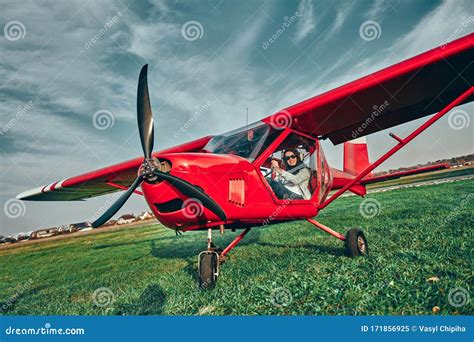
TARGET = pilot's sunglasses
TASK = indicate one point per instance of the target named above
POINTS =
(290, 157)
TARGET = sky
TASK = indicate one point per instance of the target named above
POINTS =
(69, 73)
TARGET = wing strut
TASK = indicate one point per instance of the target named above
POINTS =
(401, 143)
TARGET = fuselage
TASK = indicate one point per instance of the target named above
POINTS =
(239, 186)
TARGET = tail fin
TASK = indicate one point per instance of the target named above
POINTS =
(356, 156)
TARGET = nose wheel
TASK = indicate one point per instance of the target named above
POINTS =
(208, 264)
(208, 268)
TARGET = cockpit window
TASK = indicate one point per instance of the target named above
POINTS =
(291, 171)
(247, 142)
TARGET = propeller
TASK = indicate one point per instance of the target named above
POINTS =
(144, 114)
(149, 171)
(117, 204)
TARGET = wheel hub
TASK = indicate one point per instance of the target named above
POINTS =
(361, 244)
(149, 166)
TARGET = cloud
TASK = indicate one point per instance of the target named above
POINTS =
(433, 30)
(307, 22)
(377, 9)
(436, 28)
(244, 41)
(342, 15)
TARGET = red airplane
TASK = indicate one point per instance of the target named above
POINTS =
(238, 180)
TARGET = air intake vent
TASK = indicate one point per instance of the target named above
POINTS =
(170, 206)
(237, 191)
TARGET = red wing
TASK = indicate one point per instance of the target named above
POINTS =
(103, 181)
(406, 91)
(400, 174)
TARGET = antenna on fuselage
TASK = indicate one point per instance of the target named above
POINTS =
(247, 116)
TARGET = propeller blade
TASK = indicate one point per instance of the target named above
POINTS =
(192, 191)
(144, 114)
(118, 204)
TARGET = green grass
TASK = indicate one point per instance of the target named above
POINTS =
(419, 233)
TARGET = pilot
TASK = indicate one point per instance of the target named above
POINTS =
(291, 183)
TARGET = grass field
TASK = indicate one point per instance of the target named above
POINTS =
(292, 268)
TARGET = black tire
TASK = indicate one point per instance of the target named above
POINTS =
(208, 269)
(356, 243)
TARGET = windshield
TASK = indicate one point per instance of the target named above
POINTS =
(247, 142)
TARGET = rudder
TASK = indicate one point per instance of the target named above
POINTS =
(356, 156)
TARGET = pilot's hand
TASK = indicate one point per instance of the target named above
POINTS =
(275, 164)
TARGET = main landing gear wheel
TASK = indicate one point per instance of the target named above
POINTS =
(208, 268)
(356, 243)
